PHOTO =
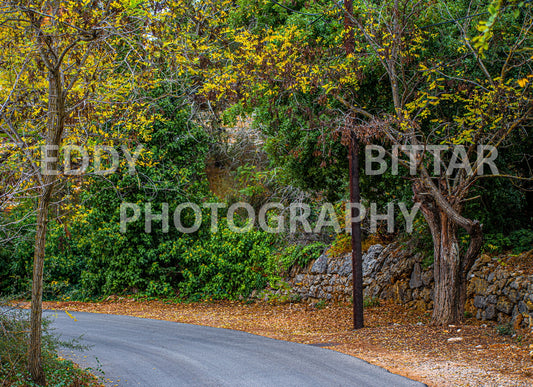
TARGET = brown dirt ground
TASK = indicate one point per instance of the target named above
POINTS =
(399, 339)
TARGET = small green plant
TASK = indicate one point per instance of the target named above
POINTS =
(301, 255)
(427, 261)
(321, 304)
(369, 302)
(505, 329)
(295, 297)
(467, 314)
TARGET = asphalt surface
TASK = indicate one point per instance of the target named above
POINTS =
(142, 352)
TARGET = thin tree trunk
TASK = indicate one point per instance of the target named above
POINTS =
(357, 256)
(34, 358)
(355, 195)
(55, 126)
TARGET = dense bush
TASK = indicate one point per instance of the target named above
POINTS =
(228, 264)
(88, 256)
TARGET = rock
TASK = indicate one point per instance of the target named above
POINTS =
(370, 260)
(513, 296)
(480, 302)
(403, 293)
(346, 266)
(427, 277)
(504, 305)
(374, 251)
(478, 286)
(455, 339)
(522, 307)
(492, 299)
(518, 321)
(321, 265)
(503, 318)
(489, 313)
(426, 294)
(416, 277)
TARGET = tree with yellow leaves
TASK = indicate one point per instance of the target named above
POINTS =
(72, 73)
(415, 79)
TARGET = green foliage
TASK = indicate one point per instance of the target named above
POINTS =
(226, 265)
(14, 325)
(505, 329)
(519, 241)
(421, 241)
(321, 304)
(87, 255)
(341, 245)
(371, 302)
(301, 255)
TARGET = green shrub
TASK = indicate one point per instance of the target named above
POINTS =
(14, 327)
(227, 264)
(518, 241)
(301, 255)
(521, 240)
(505, 329)
(321, 304)
(369, 302)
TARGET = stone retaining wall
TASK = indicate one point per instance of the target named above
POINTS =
(397, 273)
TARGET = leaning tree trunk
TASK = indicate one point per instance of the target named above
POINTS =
(451, 266)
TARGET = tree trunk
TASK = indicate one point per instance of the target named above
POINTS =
(451, 267)
(357, 255)
(55, 126)
(449, 280)
(34, 358)
(355, 195)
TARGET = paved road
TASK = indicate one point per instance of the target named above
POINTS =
(142, 352)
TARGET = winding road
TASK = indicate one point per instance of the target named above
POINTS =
(142, 352)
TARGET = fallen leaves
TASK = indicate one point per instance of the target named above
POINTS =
(399, 339)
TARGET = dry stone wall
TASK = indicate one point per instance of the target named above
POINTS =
(396, 272)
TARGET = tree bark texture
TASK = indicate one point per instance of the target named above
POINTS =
(54, 132)
(451, 265)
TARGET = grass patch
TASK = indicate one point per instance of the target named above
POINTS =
(369, 302)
